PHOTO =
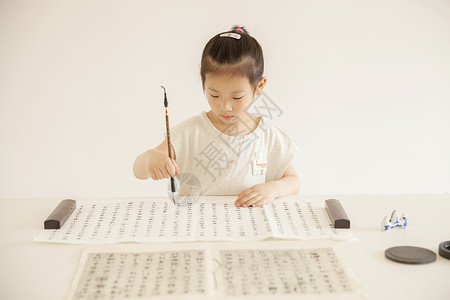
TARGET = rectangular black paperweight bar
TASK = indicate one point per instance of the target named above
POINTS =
(61, 213)
(337, 213)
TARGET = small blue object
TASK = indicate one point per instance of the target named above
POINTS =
(394, 221)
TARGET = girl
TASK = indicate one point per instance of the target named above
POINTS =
(229, 150)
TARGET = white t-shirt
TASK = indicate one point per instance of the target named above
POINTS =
(226, 165)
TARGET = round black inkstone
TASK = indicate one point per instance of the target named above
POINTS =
(410, 255)
(444, 249)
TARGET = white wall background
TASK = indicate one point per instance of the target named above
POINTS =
(364, 87)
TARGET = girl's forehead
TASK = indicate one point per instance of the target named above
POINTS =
(224, 83)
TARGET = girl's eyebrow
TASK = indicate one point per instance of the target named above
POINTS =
(234, 92)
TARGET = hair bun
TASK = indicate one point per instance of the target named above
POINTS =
(239, 29)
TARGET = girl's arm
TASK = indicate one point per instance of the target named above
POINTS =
(265, 193)
(155, 163)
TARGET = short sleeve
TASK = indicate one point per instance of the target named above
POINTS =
(281, 151)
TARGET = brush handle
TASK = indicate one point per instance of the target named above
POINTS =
(169, 149)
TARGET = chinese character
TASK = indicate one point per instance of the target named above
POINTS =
(265, 107)
(213, 158)
(235, 140)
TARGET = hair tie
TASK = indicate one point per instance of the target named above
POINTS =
(240, 29)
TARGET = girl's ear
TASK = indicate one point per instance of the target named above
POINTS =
(260, 86)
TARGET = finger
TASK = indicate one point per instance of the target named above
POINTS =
(163, 173)
(243, 194)
(170, 171)
(159, 174)
(168, 167)
(253, 200)
(153, 175)
(240, 197)
(259, 203)
(247, 197)
(177, 169)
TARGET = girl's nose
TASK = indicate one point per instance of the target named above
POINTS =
(226, 106)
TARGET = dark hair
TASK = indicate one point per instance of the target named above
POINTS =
(233, 57)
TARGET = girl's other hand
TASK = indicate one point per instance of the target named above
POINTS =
(257, 195)
(160, 166)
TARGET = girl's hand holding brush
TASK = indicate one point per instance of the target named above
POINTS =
(157, 164)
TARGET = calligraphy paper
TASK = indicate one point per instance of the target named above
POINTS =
(161, 221)
(259, 270)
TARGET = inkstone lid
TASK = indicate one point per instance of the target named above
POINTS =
(410, 255)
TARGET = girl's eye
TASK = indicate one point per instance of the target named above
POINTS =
(238, 98)
(214, 96)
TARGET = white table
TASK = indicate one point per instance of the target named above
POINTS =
(30, 270)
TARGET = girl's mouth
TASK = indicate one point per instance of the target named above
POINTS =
(226, 117)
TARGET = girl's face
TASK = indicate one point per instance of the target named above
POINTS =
(229, 98)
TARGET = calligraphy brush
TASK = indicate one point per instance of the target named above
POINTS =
(172, 180)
